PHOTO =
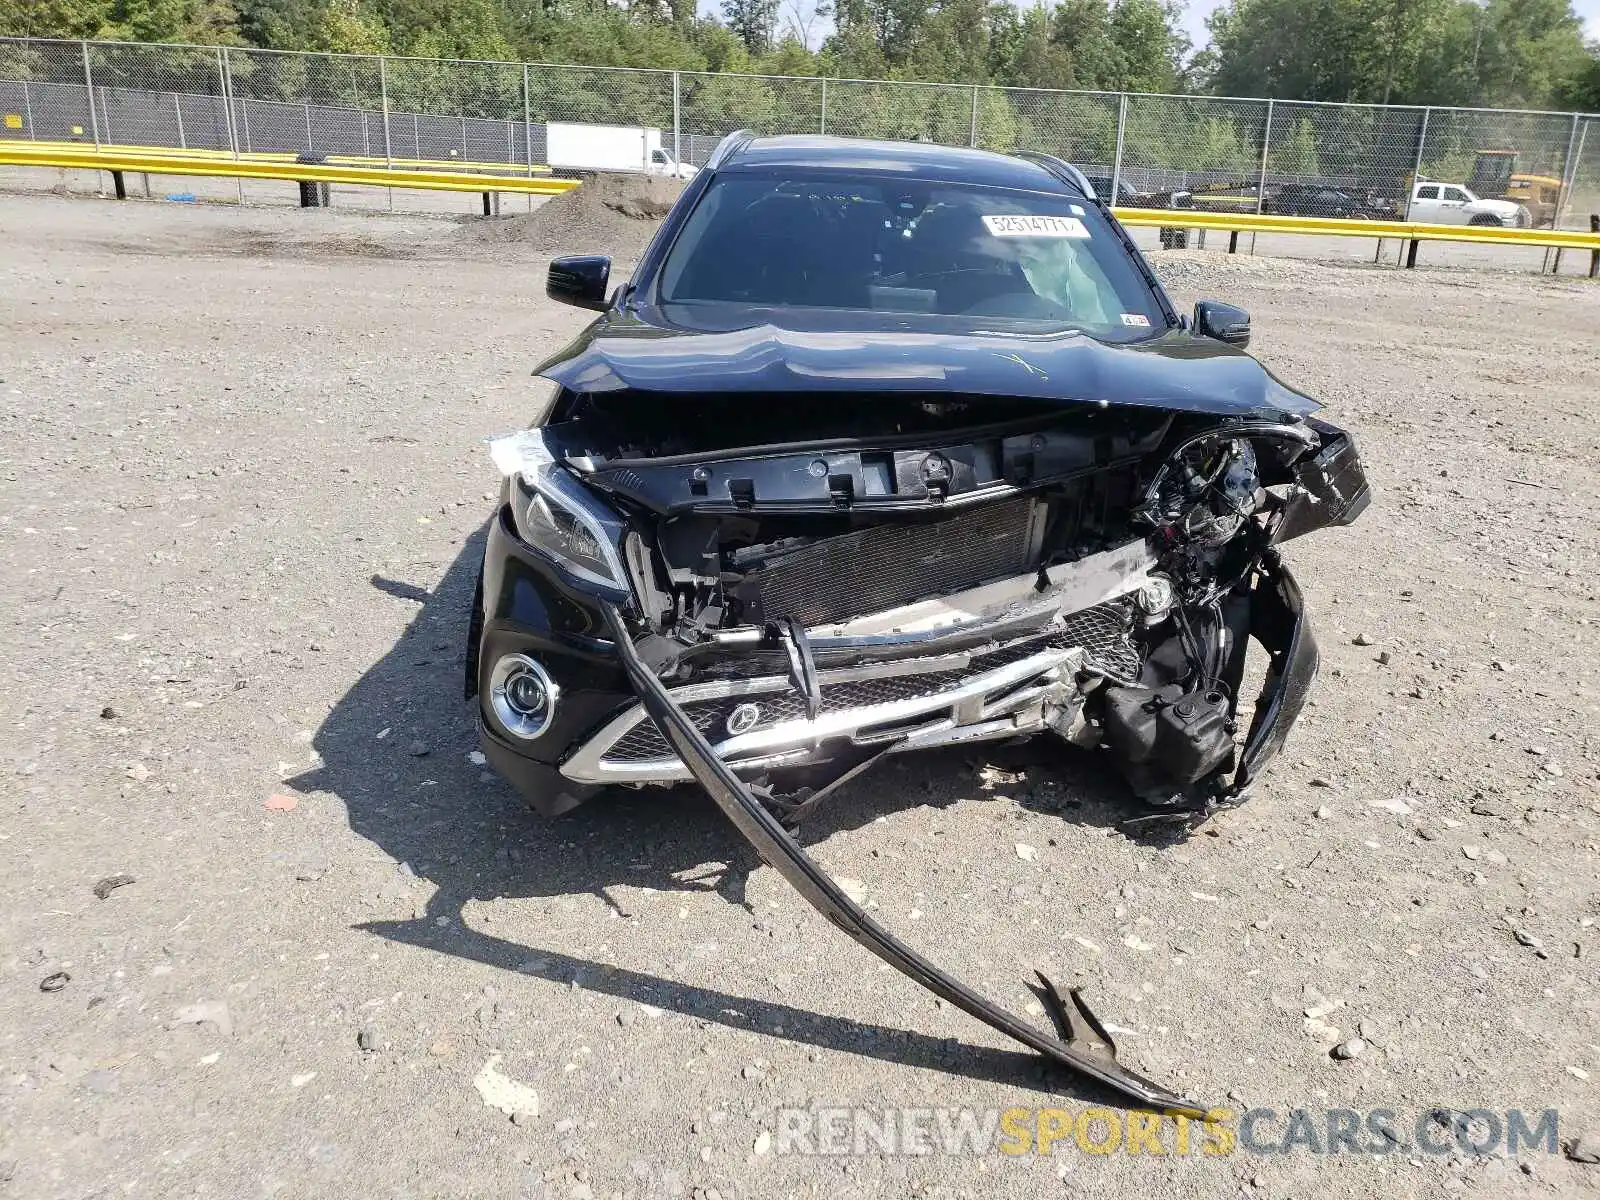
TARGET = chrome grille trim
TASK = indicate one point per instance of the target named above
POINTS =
(954, 691)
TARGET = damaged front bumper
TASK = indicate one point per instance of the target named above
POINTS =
(1006, 660)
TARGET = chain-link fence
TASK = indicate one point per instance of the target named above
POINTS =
(1292, 157)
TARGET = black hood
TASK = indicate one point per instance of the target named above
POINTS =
(1173, 371)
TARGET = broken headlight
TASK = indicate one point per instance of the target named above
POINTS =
(559, 517)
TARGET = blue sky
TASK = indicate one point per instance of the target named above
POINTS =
(1195, 18)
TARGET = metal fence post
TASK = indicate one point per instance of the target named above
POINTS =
(677, 112)
(383, 99)
(1116, 162)
(1266, 141)
(973, 141)
(527, 121)
(1416, 170)
(1565, 207)
(824, 129)
(88, 86)
(27, 109)
(307, 107)
(177, 108)
(1569, 175)
(225, 78)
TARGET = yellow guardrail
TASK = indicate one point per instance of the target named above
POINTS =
(1410, 231)
(483, 167)
(262, 166)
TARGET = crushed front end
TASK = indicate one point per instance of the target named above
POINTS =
(921, 572)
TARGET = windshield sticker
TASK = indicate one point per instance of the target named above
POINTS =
(1019, 225)
(1138, 319)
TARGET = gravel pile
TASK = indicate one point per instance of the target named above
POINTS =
(612, 213)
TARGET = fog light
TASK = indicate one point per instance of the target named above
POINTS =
(522, 696)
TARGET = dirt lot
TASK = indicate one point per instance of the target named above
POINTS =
(241, 481)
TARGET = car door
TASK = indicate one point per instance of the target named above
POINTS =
(1453, 203)
(1426, 205)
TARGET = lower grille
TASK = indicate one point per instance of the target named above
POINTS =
(886, 566)
(1102, 631)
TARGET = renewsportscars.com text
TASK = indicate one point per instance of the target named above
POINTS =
(852, 1130)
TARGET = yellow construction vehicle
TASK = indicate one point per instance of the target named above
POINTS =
(1495, 177)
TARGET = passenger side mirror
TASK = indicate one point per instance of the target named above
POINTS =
(1223, 322)
(579, 280)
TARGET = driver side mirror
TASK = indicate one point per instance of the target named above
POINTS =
(1224, 322)
(579, 280)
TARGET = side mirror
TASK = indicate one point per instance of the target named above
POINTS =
(579, 280)
(1223, 322)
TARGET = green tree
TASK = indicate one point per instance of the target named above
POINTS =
(1531, 51)
(753, 22)
(953, 43)
(1150, 44)
(1581, 90)
(53, 18)
(1506, 52)
(204, 22)
(1036, 58)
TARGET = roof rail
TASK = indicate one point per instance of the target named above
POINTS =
(728, 147)
(1061, 169)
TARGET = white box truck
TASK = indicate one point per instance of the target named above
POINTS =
(575, 147)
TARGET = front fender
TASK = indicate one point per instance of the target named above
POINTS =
(1278, 622)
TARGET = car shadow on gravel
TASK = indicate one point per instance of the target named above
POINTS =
(396, 750)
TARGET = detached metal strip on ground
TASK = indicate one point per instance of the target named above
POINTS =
(1088, 1049)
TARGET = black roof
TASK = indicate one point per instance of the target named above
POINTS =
(911, 160)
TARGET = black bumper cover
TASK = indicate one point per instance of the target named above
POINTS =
(1278, 621)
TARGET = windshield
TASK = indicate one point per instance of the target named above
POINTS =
(882, 245)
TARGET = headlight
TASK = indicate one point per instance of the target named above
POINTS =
(558, 516)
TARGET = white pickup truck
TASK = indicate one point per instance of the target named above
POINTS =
(1452, 204)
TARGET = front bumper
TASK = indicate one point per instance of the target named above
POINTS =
(525, 607)
(1016, 687)
(951, 691)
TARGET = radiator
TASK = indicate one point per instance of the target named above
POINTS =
(882, 567)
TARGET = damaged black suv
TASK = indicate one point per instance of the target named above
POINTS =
(891, 446)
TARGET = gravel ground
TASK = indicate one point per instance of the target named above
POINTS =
(240, 503)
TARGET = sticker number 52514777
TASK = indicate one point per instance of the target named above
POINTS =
(1029, 226)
